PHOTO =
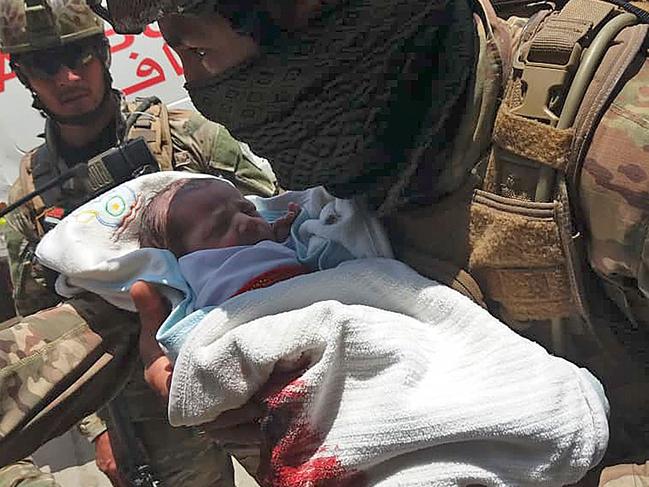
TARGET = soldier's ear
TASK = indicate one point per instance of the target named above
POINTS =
(105, 54)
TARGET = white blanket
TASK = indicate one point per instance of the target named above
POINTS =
(383, 377)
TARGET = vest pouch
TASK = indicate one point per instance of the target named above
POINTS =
(434, 239)
(518, 256)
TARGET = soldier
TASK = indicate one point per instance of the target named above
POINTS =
(59, 52)
(398, 102)
(550, 223)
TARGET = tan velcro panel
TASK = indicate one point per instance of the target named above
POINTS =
(517, 257)
(533, 140)
(641, 4)
(520, 290)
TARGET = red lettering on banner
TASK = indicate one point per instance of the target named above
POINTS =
(6, 74)
(149, 69)
(146, 68)
(120, 46)
(149, 31)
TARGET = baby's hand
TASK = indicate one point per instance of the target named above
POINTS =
(282, 226)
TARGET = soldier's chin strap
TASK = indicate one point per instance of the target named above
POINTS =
(102, 172)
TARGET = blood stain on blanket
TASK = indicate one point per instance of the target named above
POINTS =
(296, 452)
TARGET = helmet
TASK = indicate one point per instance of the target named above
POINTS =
(132, 16)
(33, 25)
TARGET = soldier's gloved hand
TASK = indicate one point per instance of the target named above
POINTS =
(106, 460)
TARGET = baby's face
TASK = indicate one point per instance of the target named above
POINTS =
(216, 216)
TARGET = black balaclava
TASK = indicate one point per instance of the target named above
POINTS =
(357, 101)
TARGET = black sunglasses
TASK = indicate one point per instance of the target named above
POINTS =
(45, 64)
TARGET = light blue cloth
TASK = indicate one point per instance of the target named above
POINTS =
(216, 275)
(326, 254)
(213, 276)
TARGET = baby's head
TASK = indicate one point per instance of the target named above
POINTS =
(198, 214)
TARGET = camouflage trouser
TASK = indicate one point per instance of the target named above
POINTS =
(178, 456)
(625, 476)
(25, 474)
(55, 369)
(182, 456)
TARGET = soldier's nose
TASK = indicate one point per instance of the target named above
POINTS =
(66, 75)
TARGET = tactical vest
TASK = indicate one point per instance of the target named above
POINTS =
(148, 119)
(513, 237)
(526, 237)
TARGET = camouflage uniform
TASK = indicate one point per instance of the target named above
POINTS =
(612, 199)
(611, 203)
(25, 474)
(626, 476)
(178, 456)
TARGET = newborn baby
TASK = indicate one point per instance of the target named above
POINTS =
(223, 245)
(201, 242)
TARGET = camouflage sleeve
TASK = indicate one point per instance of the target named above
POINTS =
(26, 474)
(614, 196)
(29, 278)
(59, 365)
(91, 427)
(204, 146)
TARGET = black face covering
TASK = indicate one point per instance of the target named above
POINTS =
(356, 100)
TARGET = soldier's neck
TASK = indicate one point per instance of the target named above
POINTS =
(84, 135)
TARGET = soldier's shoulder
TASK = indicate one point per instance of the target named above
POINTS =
(614, 187)
(190, 122)
(191, 128)
(616, 166)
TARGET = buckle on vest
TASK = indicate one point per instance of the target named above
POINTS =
(540, 80)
